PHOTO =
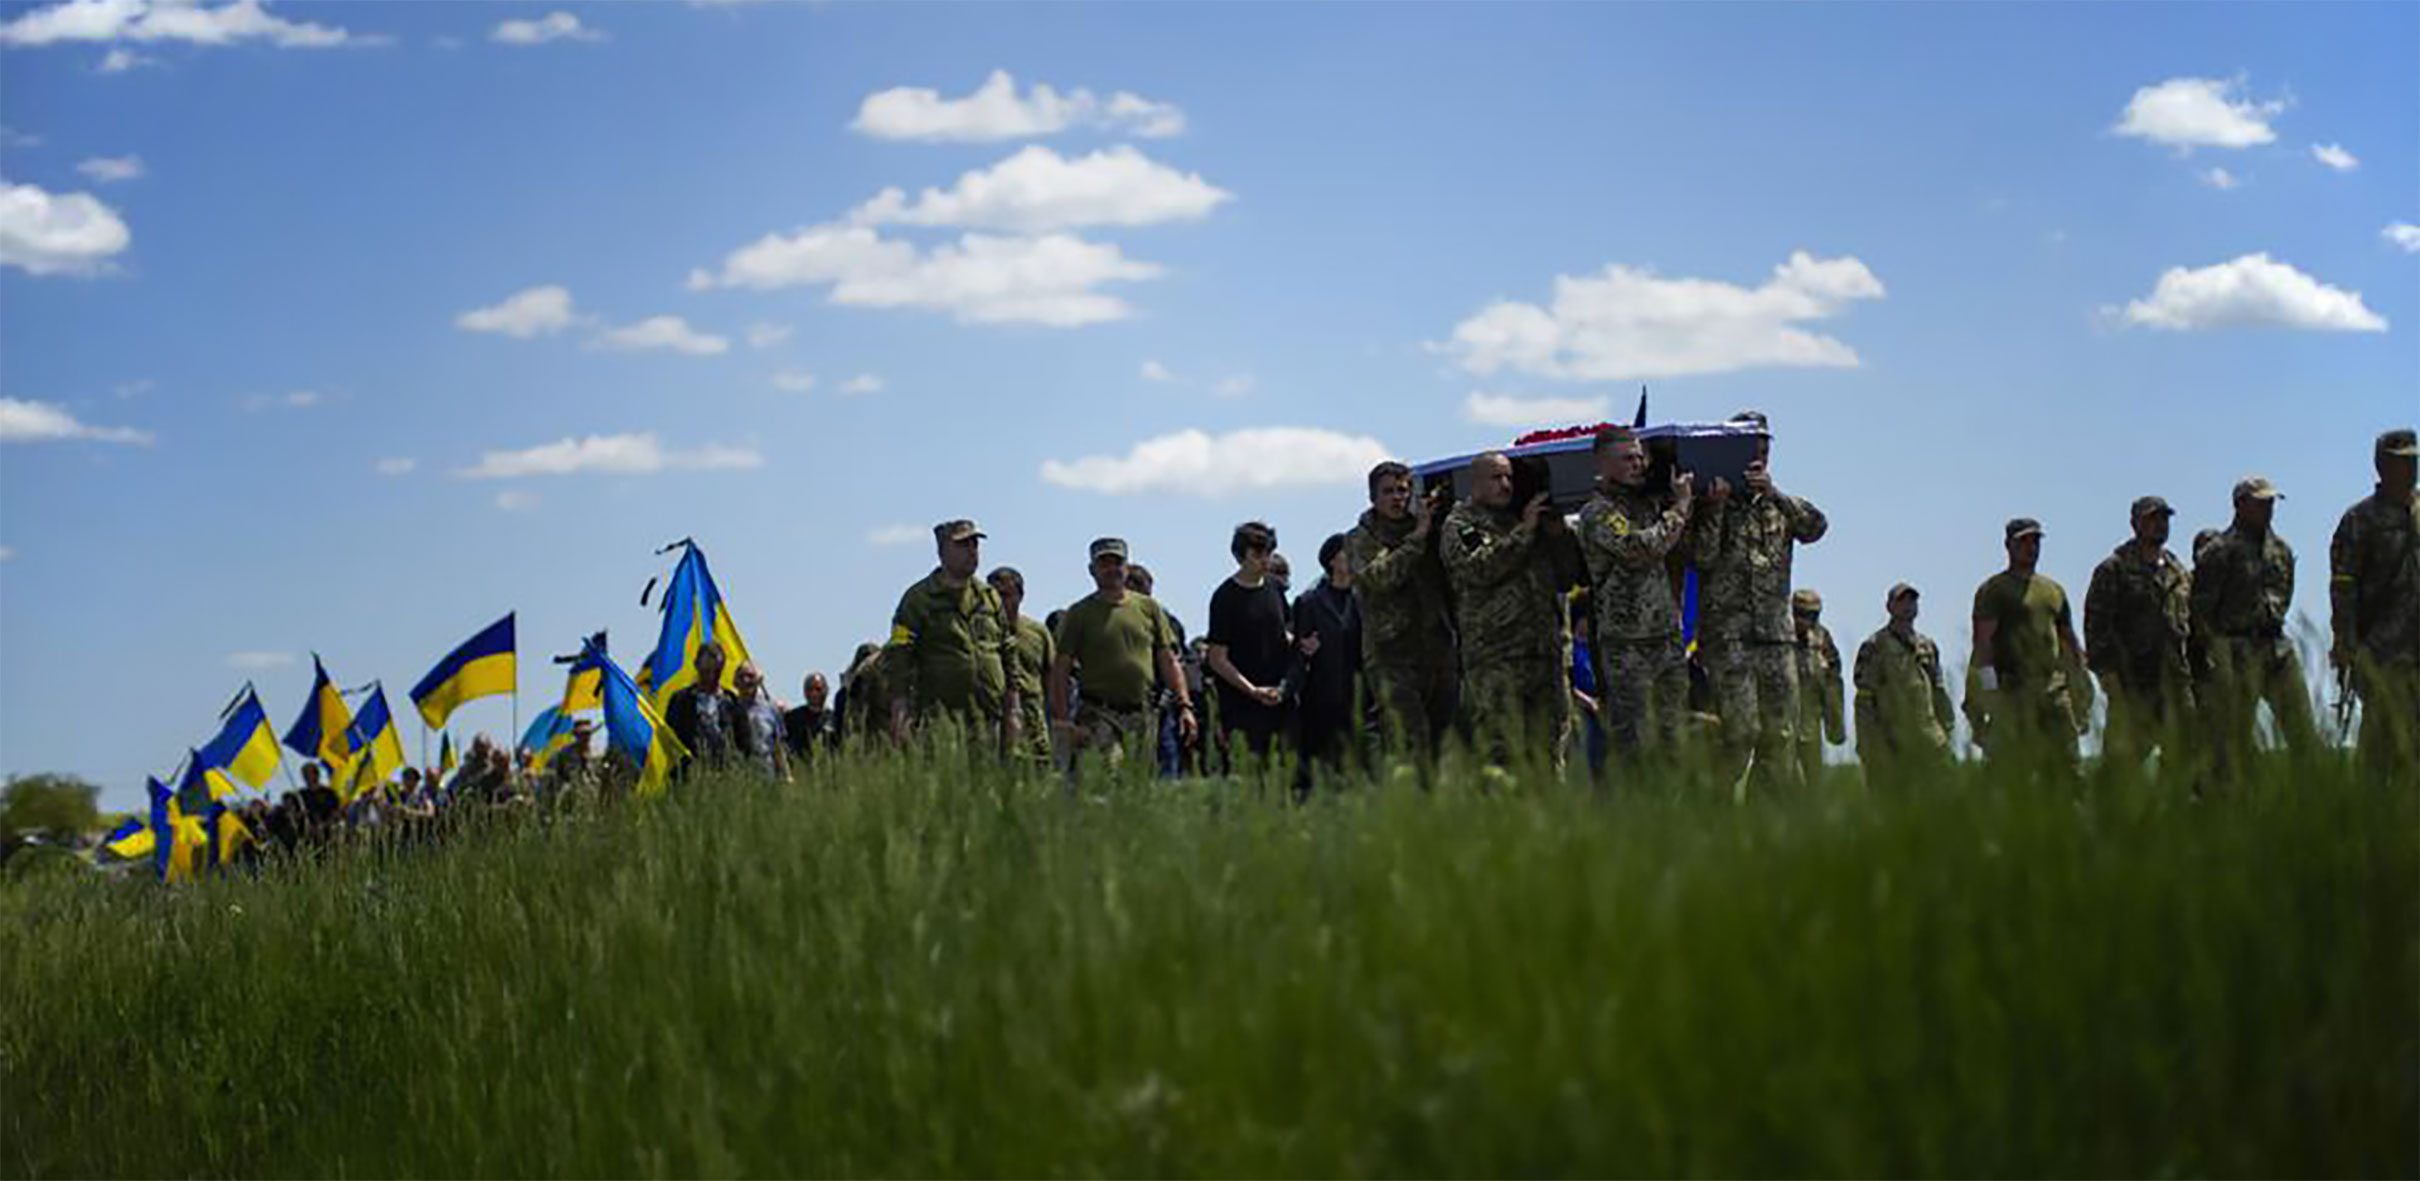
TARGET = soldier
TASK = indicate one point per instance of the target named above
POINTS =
(1407, 631)
(2138, 618)
(1509, 565)
(1028, 658)
(2023, 702)
(2374, 605)
(1819, 692)
(1119, 638)
(1742, 545)
(863, 705)
(2243, 586)
(948, 640)
(1626, 535)
(1903, 711)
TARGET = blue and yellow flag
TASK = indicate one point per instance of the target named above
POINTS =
(1689, 609)
(374, 751)
(447, 760)
(320, 732)
(176, 839)
(482, 667)
(202, 783)
(633, 727)
(694, 611)
(246, 748)
(225, 833)
(130, 839)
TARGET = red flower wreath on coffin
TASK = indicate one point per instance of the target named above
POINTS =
(1559, 434)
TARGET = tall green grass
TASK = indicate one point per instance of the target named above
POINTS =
(904, 967)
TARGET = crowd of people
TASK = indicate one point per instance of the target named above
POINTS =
(1507, 627)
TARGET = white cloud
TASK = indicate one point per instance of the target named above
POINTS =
(980, 279)
(2334, 156)
(2218, 178)
(1234, 386)
(1193, 463)
(22, 421)
(10, 137)
(397, 466)
(1154, 371)
(764, 336)
(664, 332)
(135, 388)
(2186, 113)
(554, 26)
(121, 59)
(258, 661)
(619, 455)
(1037, 190)
(996, 111)
(1628, 323)
(790, 382)
(863, 383)
(517, 500)
(58, 233)
(1507, 410)
(2249, 292)
(524, 314)
(170, 20)
(294, 400)
(2403, 234)
(6, 553)
(107, 169)
(896, 535)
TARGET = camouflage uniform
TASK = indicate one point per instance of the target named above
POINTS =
(946, 654)
(866, 716)
(1819, 717)
(1407, 631)
(2138, 627)
(2243, 586)
(2374, 600)
(1508, 583)
(1745, 636)
(1027, 659)
(1626, 535)
(1903, 710)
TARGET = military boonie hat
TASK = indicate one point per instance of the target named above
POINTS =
(2400, 441)
(2020, 526)
(1900, 590)
(958, 530)
(1806, 599)
(1109, 547)
(2257, 488)
(2144, 506)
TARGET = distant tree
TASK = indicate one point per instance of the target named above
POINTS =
(59, 809)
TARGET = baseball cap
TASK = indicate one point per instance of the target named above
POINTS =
(2146, 505)
(1807, 599)
(2400, 441)
(958, 530)
(2020, 526)
(1899, 589)
(2257, 488)
(1752, 416)
(1109, 547)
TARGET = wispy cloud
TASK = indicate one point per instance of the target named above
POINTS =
(619, 455)
(764, 336)
(1037, 190)
(397, 466)
(517, 500)
(535, 311)
(792, 382)
(2218, 178)
(896, 535)
(2188, 113)
(863, 383)
(208, 25)
(1052, 280)
(2403, 235)
(1195, 463)
(2334, 156)
(1507, 410)
(291, 400)
(45, 233)
(554, 26)
(663, 332)
(259, 661)
(112, 169)
(24, 421)
(997, 111)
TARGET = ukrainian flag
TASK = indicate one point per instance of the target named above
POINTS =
(1689, 609)
(225, 833)
(130, 839)
(446, 759)
(202, 783)
(633, 726)
(176, 839)
(320, 732)
(245, 747)
(373, 750)
(550, 733)
(482, 667)
(693, 611)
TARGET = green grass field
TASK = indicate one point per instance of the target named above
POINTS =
(899, 968)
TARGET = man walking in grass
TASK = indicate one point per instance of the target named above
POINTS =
(2025, 652)
(1508, 582)
(1027, 661)
(948, 639)
(1119, 639)
(2138, 628)
(2374, 601)
(1903, 711)
(2243, 588)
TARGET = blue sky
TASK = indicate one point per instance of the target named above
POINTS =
(1313, 234)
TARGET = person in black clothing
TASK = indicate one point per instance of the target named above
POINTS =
(810, 726)
(1250, 653)
(1327, 631)
(323, 811)
(704, 715)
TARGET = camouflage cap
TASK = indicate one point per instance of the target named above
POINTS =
(2020, 526)
(2257, 488)
(1109, 547)
(2144, 506)
(958, 530)
(2400, 441)
(1805, 599)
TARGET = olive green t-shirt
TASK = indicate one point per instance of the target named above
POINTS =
(1114, 644)
(948, 642)
(1029, 658)
(2029, 613)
